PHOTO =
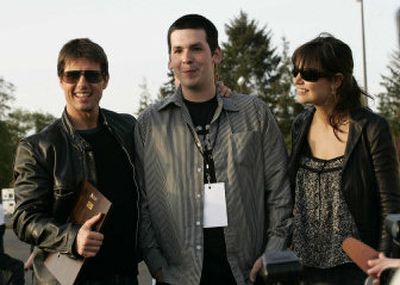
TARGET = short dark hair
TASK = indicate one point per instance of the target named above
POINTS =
(195, 21)
(82, 48)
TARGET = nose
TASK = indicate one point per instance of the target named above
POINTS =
(187, 56)
(82, 80)
(297, 79)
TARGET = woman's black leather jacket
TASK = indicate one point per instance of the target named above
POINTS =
(370, 177)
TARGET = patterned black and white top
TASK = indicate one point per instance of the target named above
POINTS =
(321, 217)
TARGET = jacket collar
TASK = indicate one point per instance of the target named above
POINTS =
(69, 128)
(357, 124)
(176, 99)
(301, 128)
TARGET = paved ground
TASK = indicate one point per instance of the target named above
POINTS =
(20, 250)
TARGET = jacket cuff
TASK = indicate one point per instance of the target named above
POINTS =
(154, 260)
(276, 244)
(72, 241)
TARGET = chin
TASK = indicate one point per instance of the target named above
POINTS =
(301, 100)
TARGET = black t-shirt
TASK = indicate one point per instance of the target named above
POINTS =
(115, 181)
(216, 269)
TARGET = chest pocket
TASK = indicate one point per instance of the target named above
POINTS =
(246, 148)
(64, 197)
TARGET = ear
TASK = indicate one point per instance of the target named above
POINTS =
(217, 55)
(337, 81)
(105, 81)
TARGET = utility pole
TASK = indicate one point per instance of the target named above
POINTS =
(363, 46)
(398, 24)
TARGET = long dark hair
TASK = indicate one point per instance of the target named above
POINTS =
(333, 56)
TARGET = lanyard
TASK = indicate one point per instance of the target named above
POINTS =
(207, 150)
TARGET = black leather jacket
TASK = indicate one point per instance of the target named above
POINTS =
(370, 178)
(49, 169)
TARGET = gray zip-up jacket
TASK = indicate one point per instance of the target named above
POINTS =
(250, 158)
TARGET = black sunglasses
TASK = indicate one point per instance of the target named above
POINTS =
(91, 76)
(311, 75)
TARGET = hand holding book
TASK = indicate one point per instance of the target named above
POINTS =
(88, 241)
(89, 211)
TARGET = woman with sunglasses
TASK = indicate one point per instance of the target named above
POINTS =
(343, 167)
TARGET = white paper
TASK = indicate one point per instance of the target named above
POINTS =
(215, 214)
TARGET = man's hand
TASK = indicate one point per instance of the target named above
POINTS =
(256, 267)
(382, 263)
(88, 242)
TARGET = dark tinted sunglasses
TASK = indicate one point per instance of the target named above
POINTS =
(91, 76)
(311, 75)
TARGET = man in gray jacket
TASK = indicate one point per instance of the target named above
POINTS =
(216, 192)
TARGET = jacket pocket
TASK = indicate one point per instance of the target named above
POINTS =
(64, 199)
(246, 148)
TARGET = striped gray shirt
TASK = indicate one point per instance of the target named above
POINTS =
(250, 158)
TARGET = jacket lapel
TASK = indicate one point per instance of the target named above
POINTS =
(357, 124)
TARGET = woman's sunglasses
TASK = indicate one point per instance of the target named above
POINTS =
(91, 76)
(311, 75)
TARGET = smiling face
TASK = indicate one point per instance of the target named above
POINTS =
(315, 86)
(82, 98)
(192, 60)
(317, 92)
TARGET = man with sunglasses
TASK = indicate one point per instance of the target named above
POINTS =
(87, 143)
(216, 192)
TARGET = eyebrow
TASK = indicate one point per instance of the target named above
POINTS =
(197, 44)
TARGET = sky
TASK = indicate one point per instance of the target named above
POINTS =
(133, 34)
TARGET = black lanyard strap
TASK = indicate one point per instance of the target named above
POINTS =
(206, 151)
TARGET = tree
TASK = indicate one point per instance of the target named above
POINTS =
(249, 62)
(283, 102)
(14, 125)
(145, 97)
(252, 65)
(6, 155)
(6, 97)
(6, 136)
(168, 87)
(23, 122)
(389, 101)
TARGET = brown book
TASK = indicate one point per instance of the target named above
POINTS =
(359, 252)
(90, 202)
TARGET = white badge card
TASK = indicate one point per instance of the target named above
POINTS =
(215, 214)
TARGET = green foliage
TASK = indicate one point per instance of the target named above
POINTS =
(23, 122)
(7, 150)
(389, 101)
(249, 62)
(6, 96)
(251, 65)
(282, 95)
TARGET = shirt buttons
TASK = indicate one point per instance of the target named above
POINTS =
(198, 247)
(198, 223)
(199, 169)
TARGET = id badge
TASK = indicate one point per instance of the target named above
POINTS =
(215, 214)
